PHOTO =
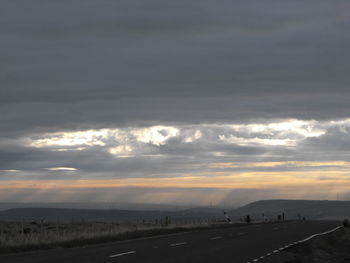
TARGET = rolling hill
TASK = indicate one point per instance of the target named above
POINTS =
(294, 209)
(115, 215)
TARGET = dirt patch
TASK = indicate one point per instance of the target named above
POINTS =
(333, 247)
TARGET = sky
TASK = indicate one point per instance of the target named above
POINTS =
(174, 102)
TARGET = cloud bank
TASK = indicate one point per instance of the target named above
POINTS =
(112, 90)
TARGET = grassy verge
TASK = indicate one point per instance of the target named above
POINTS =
(84, 240)
(46, 240)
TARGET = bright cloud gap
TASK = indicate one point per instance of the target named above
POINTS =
(134, 141)
(267, 155)
(61, 169)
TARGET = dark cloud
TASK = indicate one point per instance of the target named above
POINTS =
(82, 65)
(107, 63)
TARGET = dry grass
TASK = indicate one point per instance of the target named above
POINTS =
(20, 236)
(25, 233)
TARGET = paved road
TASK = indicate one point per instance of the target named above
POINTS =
(236, 244)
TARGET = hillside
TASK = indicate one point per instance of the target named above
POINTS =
(97, 206)
(294, 209)
(121, 216)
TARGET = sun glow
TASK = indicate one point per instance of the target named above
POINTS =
(247, 180)
(339, 164)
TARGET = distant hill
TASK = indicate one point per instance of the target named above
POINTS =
(311, 209)
(293, 209)
(121, 216)
(97, 206)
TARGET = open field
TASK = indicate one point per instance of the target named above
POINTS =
(24, 229)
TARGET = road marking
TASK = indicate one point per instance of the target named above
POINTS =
(295, 243)
(241, 233)
(178, 244)
(122, 254)
(213, 238)
(319, 234)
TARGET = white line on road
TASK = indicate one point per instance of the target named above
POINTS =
(122, 254)
(320, 234)
(214, 238)
(178, 244)
(294, 243)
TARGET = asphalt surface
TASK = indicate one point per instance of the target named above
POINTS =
(236, 244)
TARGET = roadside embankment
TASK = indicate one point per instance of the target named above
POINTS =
(331, 248)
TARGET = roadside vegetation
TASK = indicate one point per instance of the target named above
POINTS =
(22, 236)
(18, 236)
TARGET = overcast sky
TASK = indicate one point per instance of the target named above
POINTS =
(187, 102)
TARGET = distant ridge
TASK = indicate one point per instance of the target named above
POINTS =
(293, 209)
(115, 215)
(95, 206)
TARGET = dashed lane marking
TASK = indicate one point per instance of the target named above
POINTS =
(293, 244)
(178, 244)
(214, 238)
(122, 254)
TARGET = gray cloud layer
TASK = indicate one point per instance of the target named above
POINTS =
(167, 151)
(81, 65)
(102, 63)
